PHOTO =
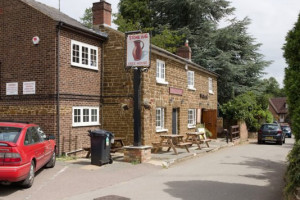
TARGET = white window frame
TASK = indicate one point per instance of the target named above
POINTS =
(88, 117)
(161, 72)
(210, 86)
(191, 80)
(191, 118)
(160, 118)
(90, 56)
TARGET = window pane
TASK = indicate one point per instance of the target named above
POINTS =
(157, 70)
(77, 115)
(162, 70)
(75, 53)
(86, 115)
(158, 118)
(85, 55)
(93, 58)
(94, 115)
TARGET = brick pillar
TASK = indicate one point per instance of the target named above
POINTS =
(138, 154)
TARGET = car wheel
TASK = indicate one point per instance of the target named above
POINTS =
(52, 161)
(27, 183)
(280, 142)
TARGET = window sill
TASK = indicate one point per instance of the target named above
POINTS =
(191, 126)
(192, 88)
(95, 68)
(161, 130)
(83, 125)
(162, 82)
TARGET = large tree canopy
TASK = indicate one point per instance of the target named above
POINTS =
(292, 75)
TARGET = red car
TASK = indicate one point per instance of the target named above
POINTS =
(24, 149)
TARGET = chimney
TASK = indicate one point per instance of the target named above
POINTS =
(185, 51)
(101, 13)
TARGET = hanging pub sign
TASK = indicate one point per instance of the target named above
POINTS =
(138, 50)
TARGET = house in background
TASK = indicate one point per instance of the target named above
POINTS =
(279, 109)
(50, 71)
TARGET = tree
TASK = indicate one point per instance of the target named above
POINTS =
(87, 18)
(229, 51)
(292, 73)
(248, 107)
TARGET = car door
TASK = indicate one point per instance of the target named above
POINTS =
(47, 144)
(34, 147)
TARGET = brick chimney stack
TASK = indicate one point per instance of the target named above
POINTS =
(101, 13)
(185, 51)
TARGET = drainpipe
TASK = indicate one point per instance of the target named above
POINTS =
(57, 87)
(102, 84)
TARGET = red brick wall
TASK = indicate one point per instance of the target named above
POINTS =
(22, 61)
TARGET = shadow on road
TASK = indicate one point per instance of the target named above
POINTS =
(212, 190)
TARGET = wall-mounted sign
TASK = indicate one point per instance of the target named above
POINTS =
(12, 88)
(29, 87)
(176, 91)
(203, 96)
(138, 50)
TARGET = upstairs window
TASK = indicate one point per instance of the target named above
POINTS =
(160, 72)
(85, 116)
(84, 55)
(191, 80)
(210, 86)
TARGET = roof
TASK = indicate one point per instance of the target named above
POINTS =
(279, 105)
(58, 16)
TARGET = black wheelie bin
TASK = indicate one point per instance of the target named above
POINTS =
(100, 146)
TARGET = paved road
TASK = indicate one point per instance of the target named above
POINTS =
(245, 172)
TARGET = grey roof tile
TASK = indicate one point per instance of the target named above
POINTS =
(58, 16)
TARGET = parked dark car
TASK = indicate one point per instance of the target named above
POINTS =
(271, 133)
(287, 130)
(24, 149)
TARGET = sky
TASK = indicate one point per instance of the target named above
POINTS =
(270, 22)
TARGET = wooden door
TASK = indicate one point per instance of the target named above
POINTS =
(209, 119)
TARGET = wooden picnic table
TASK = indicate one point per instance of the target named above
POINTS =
(168, 141)
(194, 138)
(116, 146)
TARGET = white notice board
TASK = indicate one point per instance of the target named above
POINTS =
(12, 88)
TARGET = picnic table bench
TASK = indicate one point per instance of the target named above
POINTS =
(168, 141)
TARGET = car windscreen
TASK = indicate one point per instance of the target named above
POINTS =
(9, 134)
(286, 128)
(270, 127)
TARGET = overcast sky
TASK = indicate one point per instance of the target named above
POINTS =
(270, 22)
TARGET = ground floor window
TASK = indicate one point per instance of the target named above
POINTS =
(160, 119)
(191, 118)
(85, 116)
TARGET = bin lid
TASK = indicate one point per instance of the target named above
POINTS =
(100, 132)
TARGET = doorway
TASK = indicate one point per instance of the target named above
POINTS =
(175, 121)
(209, 119)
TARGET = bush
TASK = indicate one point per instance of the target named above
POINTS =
(293, 170)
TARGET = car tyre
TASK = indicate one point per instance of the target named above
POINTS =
(259, 141)
(280, 142)
(27, 183)
(52, 161)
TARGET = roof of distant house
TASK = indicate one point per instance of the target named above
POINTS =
(58, 16)
(279, 105)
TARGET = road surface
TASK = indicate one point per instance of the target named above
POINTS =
(244, 172)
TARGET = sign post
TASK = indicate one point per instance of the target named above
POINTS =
(137, 58)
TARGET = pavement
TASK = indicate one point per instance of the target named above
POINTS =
(166, 158)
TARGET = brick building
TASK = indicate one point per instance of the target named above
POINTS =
(176, 94)
(56, 82)
(279, 109)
